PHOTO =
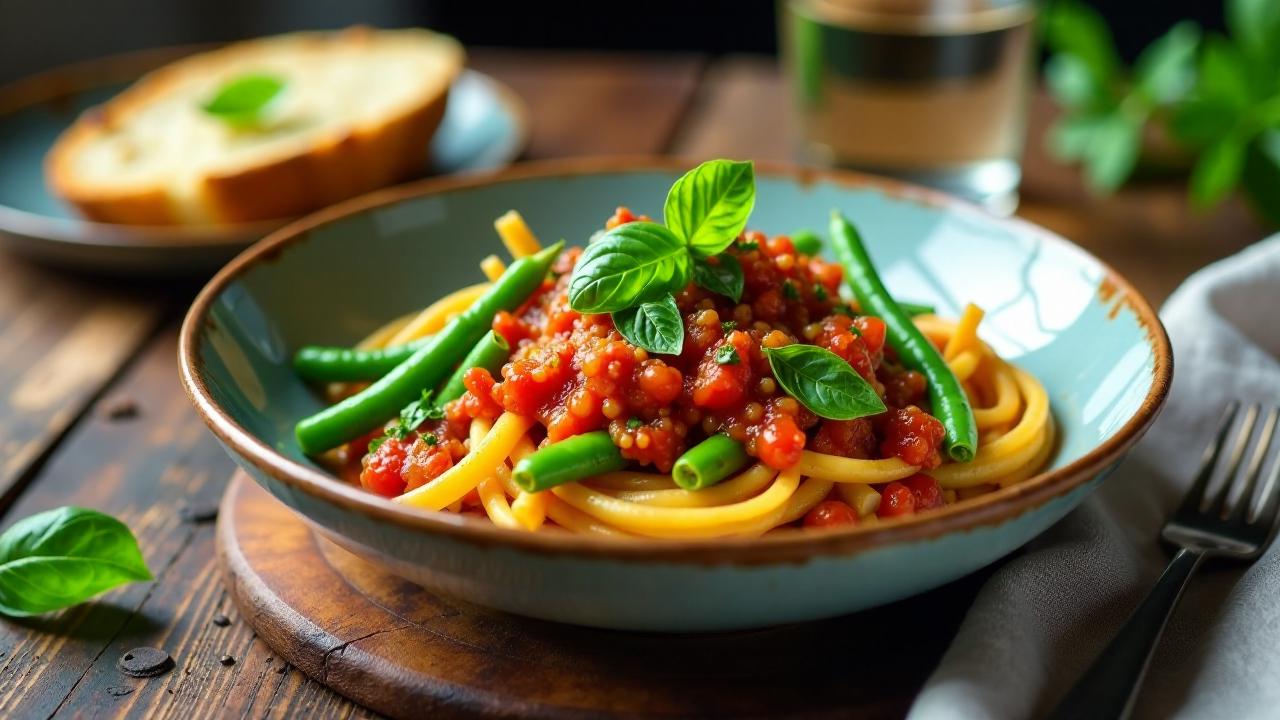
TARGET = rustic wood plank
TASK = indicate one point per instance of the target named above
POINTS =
(146, 470)
(1147, 231)
(61, 340)
(596, 103)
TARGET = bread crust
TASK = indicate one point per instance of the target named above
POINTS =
(332, 166)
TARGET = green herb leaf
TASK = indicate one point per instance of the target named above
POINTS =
(634, 423)
(1255, 24)
(823, 382)
(1072, 83)
(727, 354)
(654, 326)
(244, 100)
(62, 557)
(1200, 121)
(709, 205)
(728, 326)
(1070, 137)
(748, 245)
(632, 264)
(806, 242)
(721, 275)
(1113, 151)
(1076, 29)
(789, 290)
(819, 293)
(1166, 69)
(1218, 170)
(1224, 75)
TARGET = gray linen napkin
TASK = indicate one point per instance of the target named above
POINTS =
(1047, 611)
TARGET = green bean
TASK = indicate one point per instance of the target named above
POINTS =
(339, 364)
(429, 364)
(950, 405)
(806, 242)
(914, 309)
(490, 353)
(709, 462)
(570, 460)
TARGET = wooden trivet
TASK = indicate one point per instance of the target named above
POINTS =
(406, 652)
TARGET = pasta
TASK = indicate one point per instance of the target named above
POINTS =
(579, 428)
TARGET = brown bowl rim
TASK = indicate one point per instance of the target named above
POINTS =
(989, 510)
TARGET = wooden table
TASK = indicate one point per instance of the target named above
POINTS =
(91, 412)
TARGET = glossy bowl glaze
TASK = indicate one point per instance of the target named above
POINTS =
(333, 277)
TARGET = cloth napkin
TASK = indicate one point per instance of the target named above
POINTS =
(1047, 612)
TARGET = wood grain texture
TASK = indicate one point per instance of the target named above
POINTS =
(596, 103)
(146, 470)
(408, 653)
(61, 340)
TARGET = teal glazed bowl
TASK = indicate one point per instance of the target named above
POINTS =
(333, 277)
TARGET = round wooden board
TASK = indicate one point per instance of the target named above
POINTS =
(403, 651)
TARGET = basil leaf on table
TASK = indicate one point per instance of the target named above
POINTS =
(1218, 170)
(631, 264)
(1076, 29)
(721, 275)
(244, 99)
(709, 205)
(654, 326)
(823, 382)
(62, 557)
(1261, 177)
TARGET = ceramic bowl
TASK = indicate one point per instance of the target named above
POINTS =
(331, 278)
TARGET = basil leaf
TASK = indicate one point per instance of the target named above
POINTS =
(708, 206)
(1076, 29)
(1166, 69)
(823, 382)
(654, 326)
(1113, 150)
(1224, 75)
(1072, 83)
(631, 264)
(1255, 25)
(62, 557)
(1070, 137)
(244, 99)
(1218, 170)
(1198, 122)
(724, 277)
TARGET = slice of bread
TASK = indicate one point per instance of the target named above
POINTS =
(357, 112)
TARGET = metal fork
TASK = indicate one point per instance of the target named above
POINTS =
(1230, 523)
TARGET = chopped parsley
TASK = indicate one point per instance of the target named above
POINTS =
(634, 423)
(842, 310)
(726, 354)
(727, 326)
(820, 293)
(430, 439)
(748, 245)
(413, 415)
(789, 289)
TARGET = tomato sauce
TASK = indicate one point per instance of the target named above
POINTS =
(575, 373)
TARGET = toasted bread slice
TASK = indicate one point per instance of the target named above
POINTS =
(357, 112)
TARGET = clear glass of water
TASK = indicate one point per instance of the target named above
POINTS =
(929, 91)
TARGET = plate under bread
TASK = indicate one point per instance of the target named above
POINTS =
(484, 128)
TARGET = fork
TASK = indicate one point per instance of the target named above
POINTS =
(1225, 524)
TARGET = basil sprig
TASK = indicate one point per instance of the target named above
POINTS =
(644, 263)
(244, 100)
(655, 326)
(62, 557)
(411, 416)
(823, 382)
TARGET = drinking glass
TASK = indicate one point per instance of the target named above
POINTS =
(929, 91)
